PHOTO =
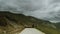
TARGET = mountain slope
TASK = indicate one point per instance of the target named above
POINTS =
(14, 23)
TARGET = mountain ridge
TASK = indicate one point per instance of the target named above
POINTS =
(17, 22)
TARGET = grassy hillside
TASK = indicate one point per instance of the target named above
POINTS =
(13, 23)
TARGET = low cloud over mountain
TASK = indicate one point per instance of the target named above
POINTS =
(42, 9)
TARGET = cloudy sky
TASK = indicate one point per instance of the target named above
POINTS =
(42, 9)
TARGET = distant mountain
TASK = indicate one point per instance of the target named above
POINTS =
(57, 25)
(13, 23)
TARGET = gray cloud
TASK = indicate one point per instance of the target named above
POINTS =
(42, 9)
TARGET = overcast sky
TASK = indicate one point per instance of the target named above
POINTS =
(42, 9)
